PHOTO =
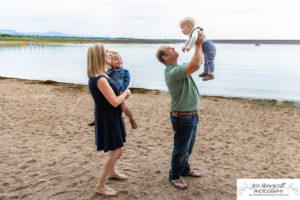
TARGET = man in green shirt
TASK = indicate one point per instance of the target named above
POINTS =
(184, 107)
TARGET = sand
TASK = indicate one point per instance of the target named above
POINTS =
(47, 149)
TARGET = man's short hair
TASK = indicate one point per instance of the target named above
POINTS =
(188, 20)
(159, 55)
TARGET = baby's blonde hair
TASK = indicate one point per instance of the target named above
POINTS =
(188, 20)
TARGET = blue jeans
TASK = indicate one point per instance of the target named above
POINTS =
(209, 52)
(185, 128)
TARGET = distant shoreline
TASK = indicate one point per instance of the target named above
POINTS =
(254, 42)
(19, 40)
(19, 43)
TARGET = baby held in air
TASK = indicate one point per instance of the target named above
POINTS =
(188, 27)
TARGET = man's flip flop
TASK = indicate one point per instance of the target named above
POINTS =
(194, 173)
(179, 183)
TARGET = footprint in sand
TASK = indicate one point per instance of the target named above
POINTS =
(24, 167)
(31, 161)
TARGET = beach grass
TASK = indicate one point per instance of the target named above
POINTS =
(273, 102)
(9, 38)
(39, 39)
(261, 102)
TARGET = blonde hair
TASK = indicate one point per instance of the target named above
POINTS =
(188, 20)
(112, 55)
(96, 63)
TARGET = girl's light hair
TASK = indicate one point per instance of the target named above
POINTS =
(113, 53)
(96, 63)
(188, 20)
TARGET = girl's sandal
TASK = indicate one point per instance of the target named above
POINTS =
(107, 191)
(119, 176)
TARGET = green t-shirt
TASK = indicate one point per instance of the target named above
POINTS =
(183, 90)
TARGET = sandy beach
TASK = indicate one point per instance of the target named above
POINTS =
(47, 149)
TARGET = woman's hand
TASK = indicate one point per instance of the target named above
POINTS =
(109, 94)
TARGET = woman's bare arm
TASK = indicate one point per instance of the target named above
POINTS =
(109, 94)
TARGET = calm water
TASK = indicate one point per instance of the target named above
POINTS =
(267, 71)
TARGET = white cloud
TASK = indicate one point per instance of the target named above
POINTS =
(227, 19)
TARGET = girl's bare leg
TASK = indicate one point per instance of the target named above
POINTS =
(128, 114)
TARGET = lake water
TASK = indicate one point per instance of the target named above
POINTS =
(242, 70)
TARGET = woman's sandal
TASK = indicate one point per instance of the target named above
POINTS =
(106, 191)
(119, 176)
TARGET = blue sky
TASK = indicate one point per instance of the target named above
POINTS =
(221, 19)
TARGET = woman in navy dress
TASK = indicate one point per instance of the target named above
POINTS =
(109, 125)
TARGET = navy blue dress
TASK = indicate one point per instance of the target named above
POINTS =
(109, 124)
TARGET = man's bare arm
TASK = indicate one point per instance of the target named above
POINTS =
(197, 58)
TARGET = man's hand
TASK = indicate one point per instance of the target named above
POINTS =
(183, 49)
(200, 39)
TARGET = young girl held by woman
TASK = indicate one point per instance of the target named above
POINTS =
(122, 77)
